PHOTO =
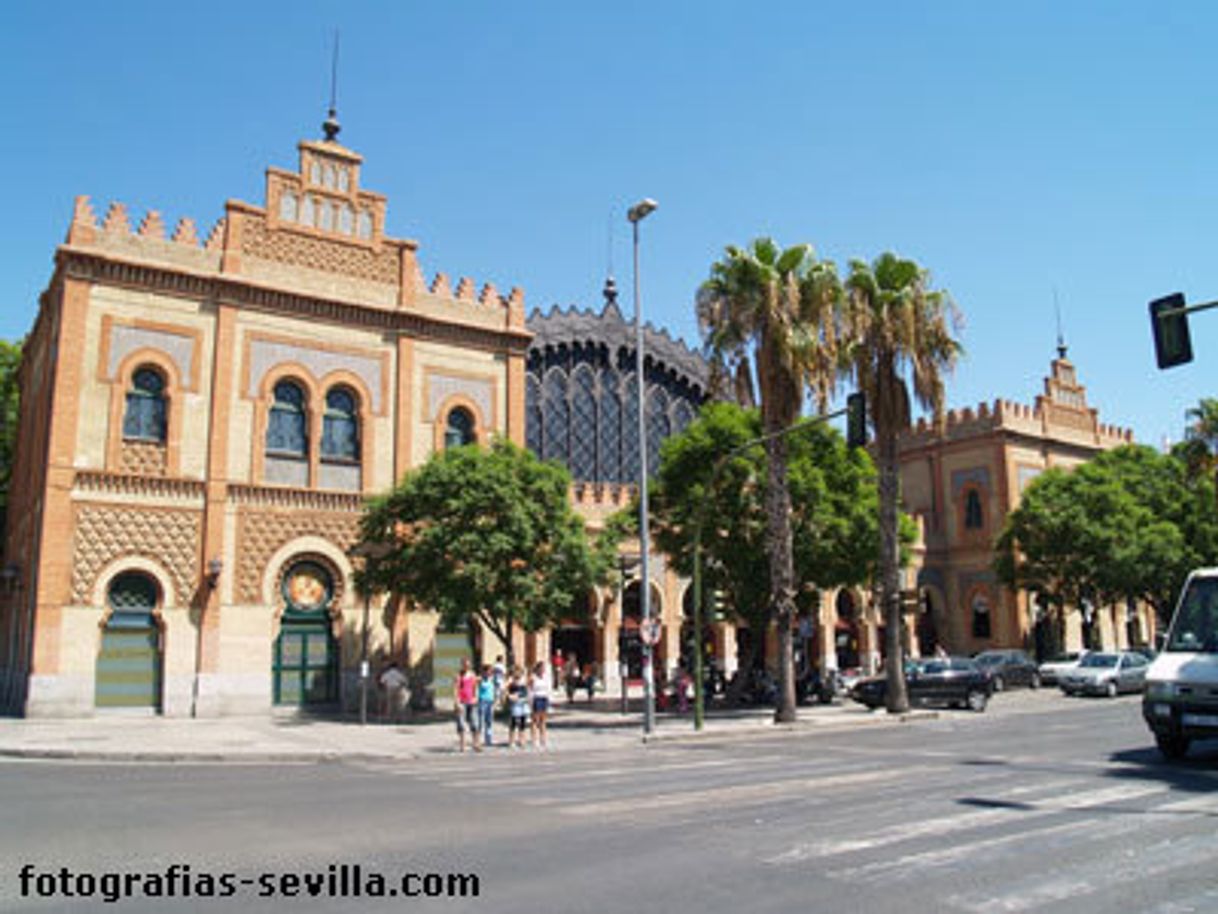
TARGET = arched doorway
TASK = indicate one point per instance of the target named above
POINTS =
(846, 631)
(129, 662)
(928, 633)
(574, 637)
(305, 662)
(630, 644)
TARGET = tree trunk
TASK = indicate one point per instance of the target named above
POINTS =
(743, 672)
(782, 572)
(890, 571)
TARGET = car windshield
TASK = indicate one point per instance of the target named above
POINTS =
(1195, 627)
(988, 659)
(934, 666)
(1099, 660)
(1063, 658)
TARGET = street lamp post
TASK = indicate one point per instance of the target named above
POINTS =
(637, 213)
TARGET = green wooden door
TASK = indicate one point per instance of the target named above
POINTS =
(306, 663)
(129, 663)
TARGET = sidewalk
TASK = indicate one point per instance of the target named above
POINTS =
(283, 738)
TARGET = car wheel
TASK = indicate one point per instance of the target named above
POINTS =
(977, 701)
(999, 685)
(1172, 747)
(1035, 681)
(1110, 689)
(1067, 692)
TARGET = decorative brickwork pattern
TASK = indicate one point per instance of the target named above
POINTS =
(143, 458)
(104, 533)
(264, 533)
(319, 254)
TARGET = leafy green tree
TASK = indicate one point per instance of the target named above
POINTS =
(834, 520)
(771, 313)
(1127, 525)
(896, 327)
(485, 535)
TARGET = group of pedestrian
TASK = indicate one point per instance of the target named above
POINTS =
(526, 698)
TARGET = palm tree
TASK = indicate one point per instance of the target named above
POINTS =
(771, 314)
(1200, 446)
(896, 326)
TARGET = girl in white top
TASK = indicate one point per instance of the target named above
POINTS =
(539, 691)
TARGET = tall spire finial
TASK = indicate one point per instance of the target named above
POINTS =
(1061, 340)
(610, 290)
(331, 127)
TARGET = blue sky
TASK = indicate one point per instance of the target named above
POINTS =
(1012, 149)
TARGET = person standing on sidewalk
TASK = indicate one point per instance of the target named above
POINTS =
(518, 708)
(539, 689)
(465, 701)
(488, 694)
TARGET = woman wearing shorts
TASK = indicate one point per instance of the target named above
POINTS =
(465, 700)
(539, 689)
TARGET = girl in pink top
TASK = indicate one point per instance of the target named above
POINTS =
(465, 700)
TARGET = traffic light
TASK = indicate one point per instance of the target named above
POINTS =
(1173, 346)
(856, 419)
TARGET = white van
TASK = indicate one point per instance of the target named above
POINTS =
(1180, 702)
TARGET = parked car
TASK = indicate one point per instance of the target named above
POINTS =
(951, 681)
(1009, 668)
(1052, 669)
(1106, 673)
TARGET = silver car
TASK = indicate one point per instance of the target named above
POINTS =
(1105, 673)
(1051, 670)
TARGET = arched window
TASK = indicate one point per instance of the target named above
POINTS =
(610, 428)
(630, 430)
(556, 415)
(973, 517)
(287, 431)
(532, 406)
(583, 424)
(459, 429)
(145, 416)
(340, 426)
(682, 415)
(658, 427)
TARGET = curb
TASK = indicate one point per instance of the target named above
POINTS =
(797, 727)
(316, 757)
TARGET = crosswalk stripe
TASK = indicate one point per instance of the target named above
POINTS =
(1094, 876)
(595, 774)
(719, 796)
(935, 827)
(914, 866)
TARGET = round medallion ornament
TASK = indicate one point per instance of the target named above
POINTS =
(307, 587)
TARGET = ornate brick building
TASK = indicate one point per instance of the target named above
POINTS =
(581, 401)
(963, 483)
(201, 420)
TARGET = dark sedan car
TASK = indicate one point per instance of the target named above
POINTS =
(1009, 668)
(951, 681)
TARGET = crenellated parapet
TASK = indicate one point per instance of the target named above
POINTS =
(148, 241)
(1062, 414)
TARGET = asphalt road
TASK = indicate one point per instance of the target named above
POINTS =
(1040, 804)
